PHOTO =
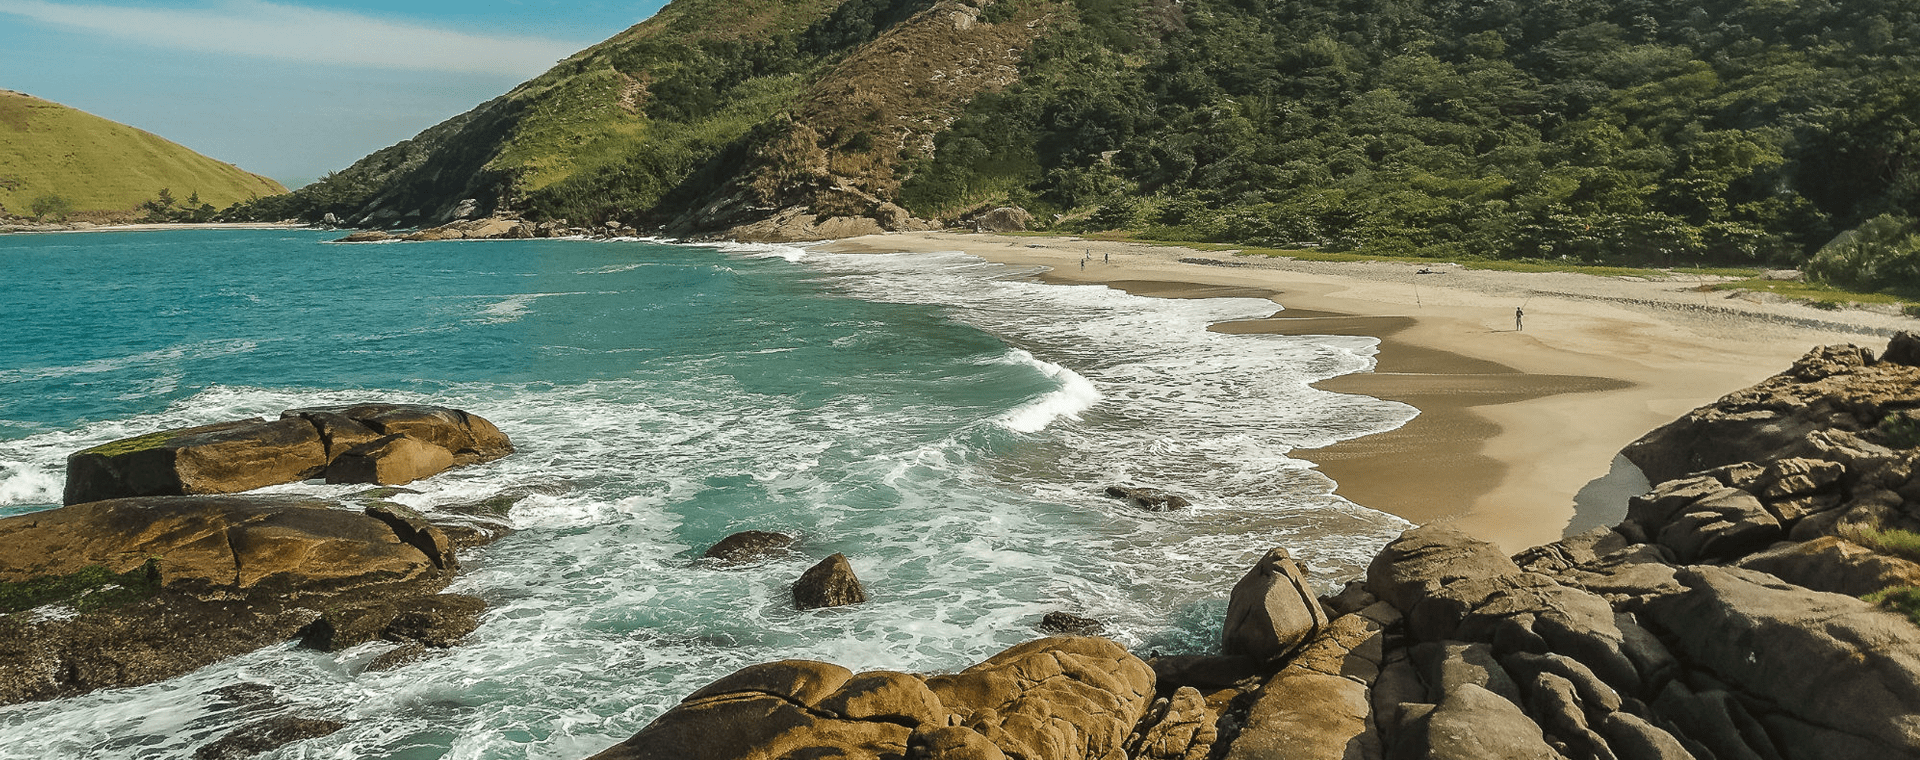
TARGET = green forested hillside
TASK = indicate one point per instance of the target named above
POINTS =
(55, 160)
(1599, 129)
(1596, 130)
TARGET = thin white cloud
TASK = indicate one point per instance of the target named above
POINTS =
(295, 33)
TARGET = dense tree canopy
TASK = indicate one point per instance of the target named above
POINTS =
(1601, 130)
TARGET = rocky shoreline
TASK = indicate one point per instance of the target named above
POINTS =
(1723, 618)
(1720, 620)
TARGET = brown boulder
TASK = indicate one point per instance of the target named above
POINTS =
(227, 457)
(1819, 658)
(231, 457)
(1059, 698)
(218, 544)
(470, 437)
(389, 461)
(1180, 727)
(1272, 611)
(202, 578)
(1834, 565)
(1832, 390)
(1904, 348)
(261, 737)
(789, 709)
(1471, 723)
(1429, 557)
(1004, 219)
(1318, 707)
(831, 583)
(1726, 524)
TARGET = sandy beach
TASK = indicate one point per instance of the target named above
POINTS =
(1519, 430)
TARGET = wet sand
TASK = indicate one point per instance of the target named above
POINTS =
(1519, 431)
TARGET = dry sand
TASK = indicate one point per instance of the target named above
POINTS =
(1515, 427)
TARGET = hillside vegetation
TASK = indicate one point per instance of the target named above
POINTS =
(66, 161)
(1727, 131)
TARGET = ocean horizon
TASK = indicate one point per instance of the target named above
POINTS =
(947, 423)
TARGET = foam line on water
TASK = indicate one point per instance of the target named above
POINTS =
(1074, 395)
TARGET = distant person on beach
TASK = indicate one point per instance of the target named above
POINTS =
(1517, 314)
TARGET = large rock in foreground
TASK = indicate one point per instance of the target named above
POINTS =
(387, 444)
(1062, 698)
(130, 591)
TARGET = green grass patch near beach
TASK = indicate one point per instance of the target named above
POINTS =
(1904, 600)
(1814, 294)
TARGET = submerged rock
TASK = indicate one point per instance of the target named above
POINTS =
(1069, 623)
(265, 736)
(828, 584)
(749, 546)
(1150, 499)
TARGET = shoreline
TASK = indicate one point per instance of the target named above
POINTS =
(1519, 431)
(149, 227)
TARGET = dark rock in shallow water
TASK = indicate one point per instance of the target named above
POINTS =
(1068, 623)
(1150, 499)
(749, 546)
(440, 620)
(828, 584)
(265, 736)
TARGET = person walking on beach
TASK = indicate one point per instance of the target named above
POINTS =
(1517, 314)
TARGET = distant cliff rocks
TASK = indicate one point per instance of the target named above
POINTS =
(495, 228)
(1721, 619)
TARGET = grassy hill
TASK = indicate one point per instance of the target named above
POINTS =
(103, 167)
(1600, 131)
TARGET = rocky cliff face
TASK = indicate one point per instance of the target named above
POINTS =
(1721, 619)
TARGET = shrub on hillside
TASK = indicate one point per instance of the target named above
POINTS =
(1881, 255)
(51, 208)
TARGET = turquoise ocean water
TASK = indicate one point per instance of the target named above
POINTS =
(943, 421)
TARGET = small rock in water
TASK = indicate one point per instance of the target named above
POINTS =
(1067, 623)
(1150, 499)
(749, 546)
(266, 736)
(828, 584)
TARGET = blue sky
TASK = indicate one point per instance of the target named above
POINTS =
(290, 89)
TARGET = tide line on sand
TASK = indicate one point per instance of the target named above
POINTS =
(1515, 426)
